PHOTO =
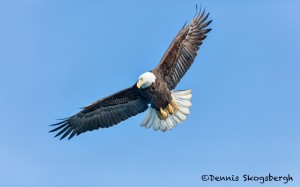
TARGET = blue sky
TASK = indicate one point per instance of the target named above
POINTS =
(58, 56)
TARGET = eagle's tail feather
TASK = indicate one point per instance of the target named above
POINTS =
(182, 100)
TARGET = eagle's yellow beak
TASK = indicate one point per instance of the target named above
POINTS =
(139, 84)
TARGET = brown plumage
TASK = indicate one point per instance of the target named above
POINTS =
(182, 51)
(129, 102)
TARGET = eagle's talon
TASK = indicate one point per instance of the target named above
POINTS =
(163, 113)
(170, 109)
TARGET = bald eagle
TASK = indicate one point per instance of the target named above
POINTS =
(155, 88)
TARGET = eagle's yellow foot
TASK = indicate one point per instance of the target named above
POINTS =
(174, 104)
(170, 109)
(163, 113)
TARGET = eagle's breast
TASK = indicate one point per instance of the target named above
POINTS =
(157, 93)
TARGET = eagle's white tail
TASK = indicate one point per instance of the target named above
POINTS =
(182, 99)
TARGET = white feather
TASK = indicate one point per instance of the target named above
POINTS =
(183, 102)
(184, 110)
(147, 118)
(152, 118)
(176, 119)
(182, 92)
(173, 121)
(157, 123)
(185, 97)
(170, 124)
(163, 125)
(181, 116)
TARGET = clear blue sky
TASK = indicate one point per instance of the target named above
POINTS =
(58, 56)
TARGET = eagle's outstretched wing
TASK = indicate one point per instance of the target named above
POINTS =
(183, 50)
(103, 113)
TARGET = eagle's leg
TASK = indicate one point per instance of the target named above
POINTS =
(170, 109)
(163, 113)
(174, 104)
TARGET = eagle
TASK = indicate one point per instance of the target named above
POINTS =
(154, 90)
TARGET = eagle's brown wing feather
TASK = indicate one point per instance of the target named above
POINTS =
(103, 113)
(183, 50)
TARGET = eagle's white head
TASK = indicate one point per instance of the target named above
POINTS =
(145, 80)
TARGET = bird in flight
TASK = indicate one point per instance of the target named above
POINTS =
(168, 107)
